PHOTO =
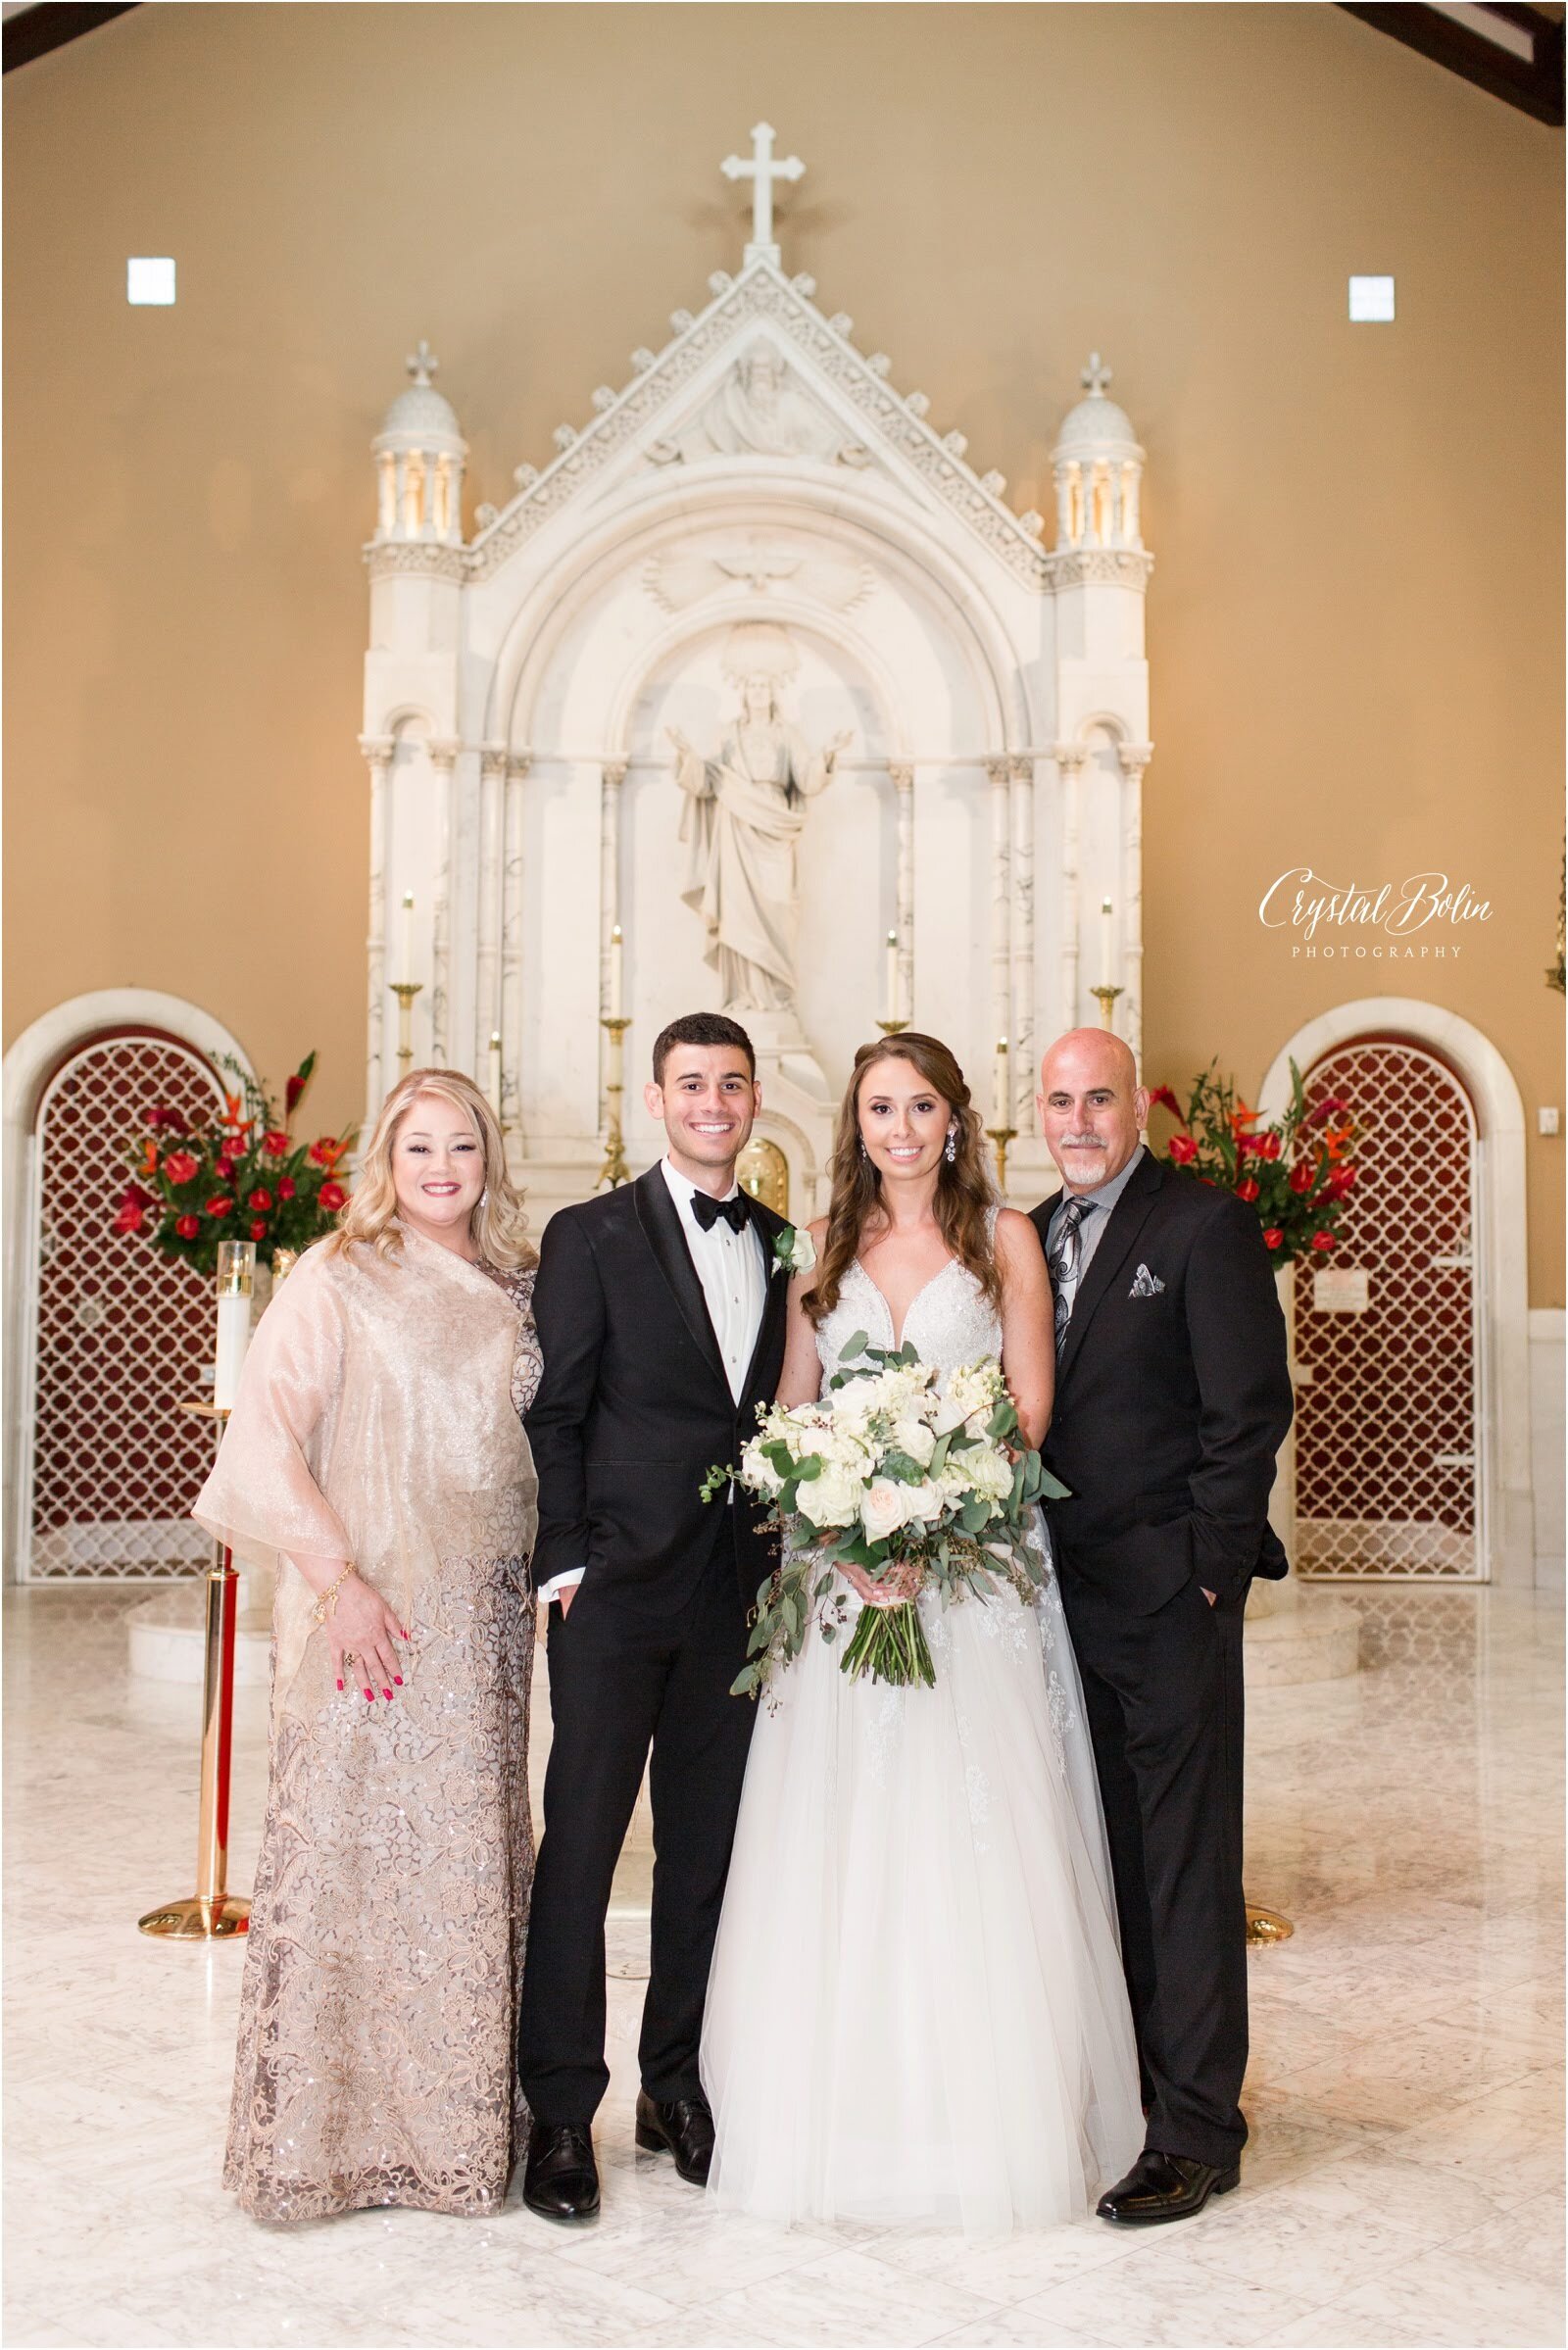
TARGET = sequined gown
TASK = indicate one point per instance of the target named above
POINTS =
(916, 2013)
(375, 2060)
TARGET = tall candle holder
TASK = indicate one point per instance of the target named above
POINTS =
(212, 1914)
(404, 990)
(1105, 997)
(893, 1027)
(614, 1170)
(1001, 1136)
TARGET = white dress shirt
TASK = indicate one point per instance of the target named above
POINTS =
(730, 1266)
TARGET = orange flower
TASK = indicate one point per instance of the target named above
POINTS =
(1242, 1116)
(233, 1104)
(149, 1165)
(1337, 1140)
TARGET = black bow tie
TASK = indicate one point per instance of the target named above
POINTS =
(736, 1212)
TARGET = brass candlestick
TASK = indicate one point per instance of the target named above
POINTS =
(212, 1914)
(1105, 997)
(1001, 1136)
(893, 1027)
(1265, 1925)
(404, 990)
(615, 1169)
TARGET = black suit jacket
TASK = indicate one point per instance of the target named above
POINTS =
(634, 1407)
(1170, 1408)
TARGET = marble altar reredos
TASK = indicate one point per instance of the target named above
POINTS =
(759, 472)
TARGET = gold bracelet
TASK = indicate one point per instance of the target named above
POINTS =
(326, 1605)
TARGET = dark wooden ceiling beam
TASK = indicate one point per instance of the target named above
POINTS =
(1533, 85)
(33, 32)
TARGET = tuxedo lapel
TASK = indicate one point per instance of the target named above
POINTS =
(776, 1296)
(660, 1219)
(1127, 1220)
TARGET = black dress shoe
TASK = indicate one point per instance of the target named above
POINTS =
(1165, 2186)
(685, 2127)
(562, 2179)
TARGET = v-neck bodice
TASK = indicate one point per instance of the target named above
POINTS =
(950, 1321)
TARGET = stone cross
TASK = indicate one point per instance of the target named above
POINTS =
(421, 363)
(761, 171)
(1095, 377)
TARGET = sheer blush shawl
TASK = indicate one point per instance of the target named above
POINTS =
(375, 1422)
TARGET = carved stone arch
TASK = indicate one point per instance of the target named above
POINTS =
(952, 593)
(1501, 1238)
(801, 619)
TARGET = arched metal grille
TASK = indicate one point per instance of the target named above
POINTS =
(119, 1337)
(1389, 1418)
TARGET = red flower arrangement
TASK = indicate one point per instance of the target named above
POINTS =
(1297, 1174)
(291, 1192)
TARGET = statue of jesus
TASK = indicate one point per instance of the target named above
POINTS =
(744, 814)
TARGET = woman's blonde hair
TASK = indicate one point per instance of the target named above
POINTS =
(964, 1197)
(498, 1225)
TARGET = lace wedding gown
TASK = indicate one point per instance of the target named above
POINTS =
(916, 2011)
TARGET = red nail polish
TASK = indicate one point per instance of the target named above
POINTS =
(370, 1697)
(388, 1694)
(398, 1677)
(340, 1684)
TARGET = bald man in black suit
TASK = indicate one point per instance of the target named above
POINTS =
(1173, 1396)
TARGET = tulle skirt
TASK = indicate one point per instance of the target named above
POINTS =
(917, 2012)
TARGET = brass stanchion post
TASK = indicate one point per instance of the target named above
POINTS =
(212, 1914)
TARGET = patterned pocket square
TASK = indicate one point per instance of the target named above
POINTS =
(1148, 1285)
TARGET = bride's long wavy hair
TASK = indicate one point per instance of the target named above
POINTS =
(964, 1191)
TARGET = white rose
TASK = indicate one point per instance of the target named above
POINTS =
(989, 1473)
(831, 1500)
(885, 1508)
(914, 1437)
(925, 1502)
(795, 1250)
(759, 1471)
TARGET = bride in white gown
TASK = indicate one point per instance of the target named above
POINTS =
(916, 2011)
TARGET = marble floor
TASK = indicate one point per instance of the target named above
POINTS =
(1403, 2184)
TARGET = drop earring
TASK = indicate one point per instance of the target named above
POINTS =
(950, 1149)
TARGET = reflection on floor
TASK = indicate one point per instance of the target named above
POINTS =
(1403, 2185)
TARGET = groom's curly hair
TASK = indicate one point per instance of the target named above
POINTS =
(701, 1028)
(964, 1197)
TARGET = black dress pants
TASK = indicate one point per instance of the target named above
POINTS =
(1163, 1694)
(620, 1683)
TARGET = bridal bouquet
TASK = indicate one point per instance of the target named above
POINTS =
(918, 1487)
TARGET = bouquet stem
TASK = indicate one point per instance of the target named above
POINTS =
(890, 1644)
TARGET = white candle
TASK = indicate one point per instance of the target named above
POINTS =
(494, 1088)
(615, 951)
(405, 940)
(236, 1273)
(892, 1013)
(1106, 975)
(1001, 1087)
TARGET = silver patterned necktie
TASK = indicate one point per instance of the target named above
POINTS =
(1064, 1258)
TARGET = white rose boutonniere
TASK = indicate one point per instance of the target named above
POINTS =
(794, 1251)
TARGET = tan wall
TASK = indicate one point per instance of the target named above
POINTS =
(1355, 619)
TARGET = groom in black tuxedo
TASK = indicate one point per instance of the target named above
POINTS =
(661, 1318)
(1173, 1396)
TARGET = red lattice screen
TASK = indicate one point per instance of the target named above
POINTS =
(1387, 1425)
(120, 1337)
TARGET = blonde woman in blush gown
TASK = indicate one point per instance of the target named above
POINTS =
(916, 2013)
(376, 1457)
